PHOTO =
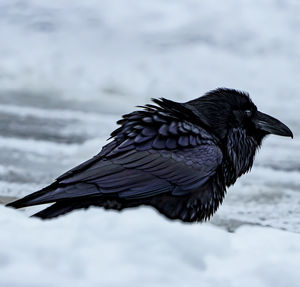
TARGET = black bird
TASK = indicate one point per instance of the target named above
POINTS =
(177, 157)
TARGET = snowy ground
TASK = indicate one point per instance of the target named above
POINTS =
(142, 249)
(68, 70)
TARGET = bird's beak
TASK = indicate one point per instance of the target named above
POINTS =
(271, 125)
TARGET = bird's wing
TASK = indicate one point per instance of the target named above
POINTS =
(154, 127)
(152, 153)
(147, 173)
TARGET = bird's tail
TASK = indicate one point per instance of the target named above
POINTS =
(56, 192)
(66, 198)
(35, 198)
(59, 208)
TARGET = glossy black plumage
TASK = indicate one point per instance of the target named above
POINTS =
(176, 157)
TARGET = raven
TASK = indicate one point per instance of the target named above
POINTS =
(176, 157)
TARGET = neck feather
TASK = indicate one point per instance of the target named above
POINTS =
(240, 150)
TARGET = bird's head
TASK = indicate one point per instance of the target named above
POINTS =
(225, 110)
(233, 118)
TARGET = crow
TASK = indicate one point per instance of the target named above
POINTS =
(176, 157)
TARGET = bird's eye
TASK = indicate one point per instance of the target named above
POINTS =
(248, 113)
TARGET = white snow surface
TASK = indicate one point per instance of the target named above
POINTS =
(69, 69)
(97, 248)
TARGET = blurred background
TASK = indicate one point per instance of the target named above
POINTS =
(70, 69)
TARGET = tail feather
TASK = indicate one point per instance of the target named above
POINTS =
(56, 192)
(65, 206)
(57, 209)
(31, 199)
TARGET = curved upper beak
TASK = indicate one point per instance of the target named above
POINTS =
(271, 125)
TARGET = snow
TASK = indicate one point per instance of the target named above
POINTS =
(69, 69)
(106, 47)
(99, 248)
